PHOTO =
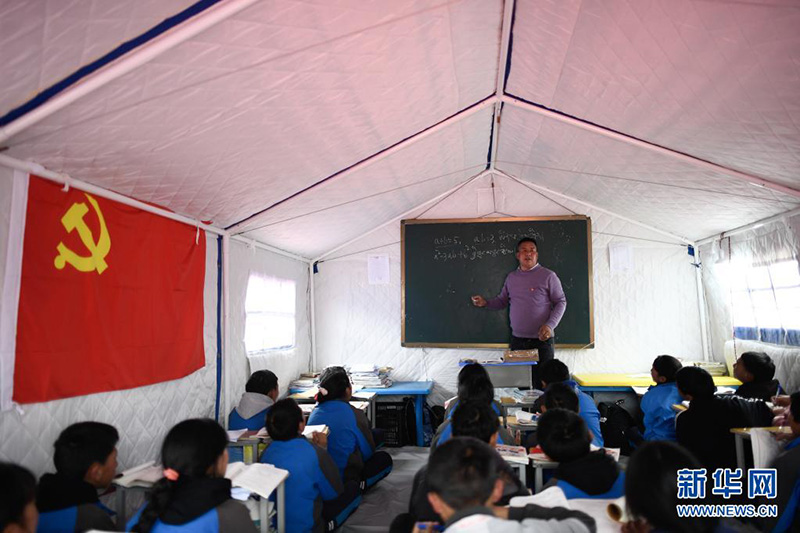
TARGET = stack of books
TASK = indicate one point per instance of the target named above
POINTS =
(306, 382)
(369, 376)
(712, 367)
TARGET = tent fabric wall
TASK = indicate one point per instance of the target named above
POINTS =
(287, 364)
(360, 323)
(142, 415)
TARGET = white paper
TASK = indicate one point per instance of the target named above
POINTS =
(309, 430)
(552, 497)
(234, 434)
(378, 269)
(620, 257)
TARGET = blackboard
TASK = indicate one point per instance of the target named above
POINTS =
(445, 262)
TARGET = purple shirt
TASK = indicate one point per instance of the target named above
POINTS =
(536, 298)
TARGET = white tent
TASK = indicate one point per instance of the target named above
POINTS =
(304, 132)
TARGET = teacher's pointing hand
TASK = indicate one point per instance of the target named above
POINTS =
(478, 301)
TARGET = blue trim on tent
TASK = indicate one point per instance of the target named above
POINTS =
(116, 53)
(219, 325)
(510, 45)
(491, 137)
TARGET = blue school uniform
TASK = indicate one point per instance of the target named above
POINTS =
(659, 418)
(313, 477)
(445, 430)
(251, 412)
(589, 413)
(350, 441)
(68, 504)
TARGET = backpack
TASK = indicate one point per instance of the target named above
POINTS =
(614, 422)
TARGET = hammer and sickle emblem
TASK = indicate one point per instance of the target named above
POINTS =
(73, 219)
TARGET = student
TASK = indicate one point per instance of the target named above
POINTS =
(473, 419)
(555, 371)
(464, 485)
(350, 441)
(316, 500)
(476, 388)
(261, 391)
(18, 512)
(560, 396)
(651, 492)
(194, 494)
(704, 428)
(467, 374)
(787, 465)
(86, 460)
(755, 370)
(581, 473)
(657, 402)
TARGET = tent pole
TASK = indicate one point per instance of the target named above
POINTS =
(752, 225)
(401, 216)
(701, 303)
(602, 210)
(313, 317)
(267, 247)
(226, 327)
(39, 170)
(707, 165)
(502, 70)
(130, 61)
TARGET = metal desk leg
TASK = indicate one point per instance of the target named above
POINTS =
(538, 480)
(419, 399)
(280, 502)
(523, 475)
(372, 410)
(263, 514)
(739, 451)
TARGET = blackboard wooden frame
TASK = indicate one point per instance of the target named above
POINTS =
(590, 280)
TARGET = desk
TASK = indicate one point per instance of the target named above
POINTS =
(306, 398)
(744, 433)
(499, 380)
(538, 475)
(418, 389)
(624, 382)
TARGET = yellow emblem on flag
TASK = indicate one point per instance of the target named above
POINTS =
(73, 219)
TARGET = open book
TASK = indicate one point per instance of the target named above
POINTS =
(144, 475)
(320, 428)
(512, 454)
(260, 478)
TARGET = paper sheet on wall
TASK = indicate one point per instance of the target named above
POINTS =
(620, 257)
(378, 269)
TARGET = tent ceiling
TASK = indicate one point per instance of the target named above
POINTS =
(254, 114)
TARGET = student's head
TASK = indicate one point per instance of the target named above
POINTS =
(18, 512)
(794, 414)
(87, 451)
(665, 367)
(527, 253)
(563, 435)
(476, 419)
(193, 449)
(476, 389)
(285, 420)
(754, 366)
(651, 486)
(695, 383)
(559, 395)
(462, 473)
(471, 371)
(263, 382)
(334, 384)
(553, 371)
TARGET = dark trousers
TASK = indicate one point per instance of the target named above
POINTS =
(546, 353)
(335, 512)
(376, 468)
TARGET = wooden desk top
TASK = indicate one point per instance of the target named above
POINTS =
(636, 380)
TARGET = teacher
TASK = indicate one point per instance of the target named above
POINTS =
(537, 302)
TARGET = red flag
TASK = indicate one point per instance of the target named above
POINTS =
(111, 297)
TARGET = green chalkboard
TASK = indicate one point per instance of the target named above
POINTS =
(445, 262)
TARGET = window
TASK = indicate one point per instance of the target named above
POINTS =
(765, 301)
(270, 307)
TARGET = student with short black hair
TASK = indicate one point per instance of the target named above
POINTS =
(556, 371)
(86, 460)
(316, 499)
(464, 486)
(704, 428)
(18, 512)
(581, 473)
(657, 402)
(560, 396)
(756, 372)
(194, 494)
(261, 392)
(476, 388)
(787, 465)
(350, 441)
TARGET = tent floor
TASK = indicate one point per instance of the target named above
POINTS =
(390, 496)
